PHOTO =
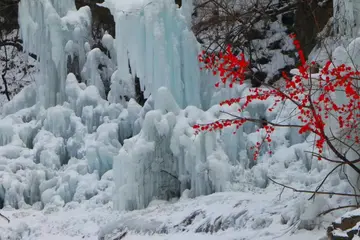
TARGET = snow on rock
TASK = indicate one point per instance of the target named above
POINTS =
(346, 227)
(342, 40)
(21, 70)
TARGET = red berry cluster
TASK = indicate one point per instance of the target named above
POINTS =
(312, 96)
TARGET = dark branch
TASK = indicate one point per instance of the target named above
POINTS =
(3, 76)
(5, 218)
(17, 44)
(314, 192)
(337, 208)
(261, 121)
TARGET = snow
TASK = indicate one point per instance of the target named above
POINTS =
(246, 215)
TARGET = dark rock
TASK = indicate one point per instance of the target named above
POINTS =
(345, 229)
(306, 26)
(258, 78)
(288, 19)
(262, 60)
(254, 34)
(121, 236)
(277, 76)
(275, 45)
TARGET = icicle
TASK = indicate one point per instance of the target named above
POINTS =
(156, 37)
(46, 27)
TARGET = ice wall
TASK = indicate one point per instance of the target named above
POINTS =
(165, 158)
(63, 130)
(53, 30)
(156, 37)
(62, 153)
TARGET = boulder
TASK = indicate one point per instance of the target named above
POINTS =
(346, 227)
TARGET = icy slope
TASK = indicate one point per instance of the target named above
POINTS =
(228, 216)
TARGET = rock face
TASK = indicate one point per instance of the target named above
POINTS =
(345, 228)
(307, 26)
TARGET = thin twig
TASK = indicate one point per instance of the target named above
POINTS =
(352, 185)
(3, 75)
(337, 208)
(323, 181)
(7, 219)
(262, 121)
(170, 174)
(312, 192)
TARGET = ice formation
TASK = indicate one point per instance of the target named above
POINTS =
(64, 141)
(166, 158)
(64, 152)
(54, 30)
(156, 37)
(58, 134)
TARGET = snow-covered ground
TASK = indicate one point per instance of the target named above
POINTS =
(227, 216)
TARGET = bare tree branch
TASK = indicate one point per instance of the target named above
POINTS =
(7, 219)
(314, 192)
(3, 75)
(337, 208)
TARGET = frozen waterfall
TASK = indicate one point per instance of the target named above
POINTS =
(165, 158)
(68, 142)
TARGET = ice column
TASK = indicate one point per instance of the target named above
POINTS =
(156, 37)
(53, 29)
